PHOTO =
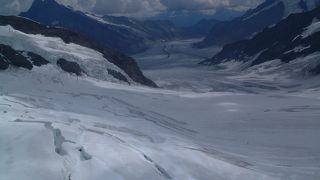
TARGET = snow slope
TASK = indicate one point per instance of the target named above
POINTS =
(52, 49)
(312, 29)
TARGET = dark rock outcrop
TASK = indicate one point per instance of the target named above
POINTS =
(3, 63)
(36, 59)
(70, 67)
(9, 56)
(118, 75)
(129, 66)
(14, 57)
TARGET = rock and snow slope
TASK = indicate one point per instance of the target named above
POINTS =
(270, 12)
(295, 38)
(53, 49)
(22, 36)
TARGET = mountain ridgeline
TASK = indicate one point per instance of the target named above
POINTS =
(297, 36)
(255, 20)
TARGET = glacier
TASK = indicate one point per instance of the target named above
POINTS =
(55, 125)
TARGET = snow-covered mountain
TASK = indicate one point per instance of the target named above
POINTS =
(120, 33)
(294, 38)
(25, 43)
(255, 20)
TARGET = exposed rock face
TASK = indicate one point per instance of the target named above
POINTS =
(27, 60)
(118, 75)
(36, 59)
(70, 67)
(15, 58)
(285, 41)
(127, 64)
(3, 63)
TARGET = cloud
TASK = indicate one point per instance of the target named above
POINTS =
(129, 7)
(86, 5)
(204, 5)
(138, 8)
(152, 7)
(14, 7)
(192, 4)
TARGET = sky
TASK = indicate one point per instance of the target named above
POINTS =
(136, 8)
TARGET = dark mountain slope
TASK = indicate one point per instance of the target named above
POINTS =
(294, 37)
(255, 20)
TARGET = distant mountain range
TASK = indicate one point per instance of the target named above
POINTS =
(297, 36)
(28, 44)
(184, 18)
(149, 29)
(255, 20)
(126, 35)
(120, 33)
